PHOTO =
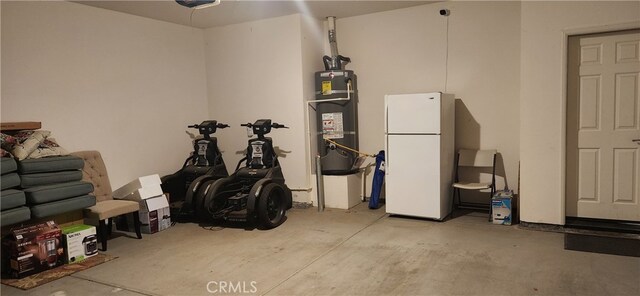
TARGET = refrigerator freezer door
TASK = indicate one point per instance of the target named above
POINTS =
(413, 113)
(413, 175)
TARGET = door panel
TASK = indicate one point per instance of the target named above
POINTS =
(588, 174)
(413, 175)
(603, 118)
(625, 178)
(413, 113)
(628, 52)
(626, 114)
(589, 102)
(591, 54)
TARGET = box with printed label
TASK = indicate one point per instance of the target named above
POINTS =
(501, 208)
(80, 242)
(155, 215)
(33, 248)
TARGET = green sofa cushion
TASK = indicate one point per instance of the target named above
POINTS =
(11, 198)
(53, 192)
(39, 179)
(9, 180)
(14, 216)
(62, 206)
(50, 164)
(7, 165)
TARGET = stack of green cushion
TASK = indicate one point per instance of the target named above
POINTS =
(12, 200)
(53, 185)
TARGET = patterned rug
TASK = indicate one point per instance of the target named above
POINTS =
(50, 275)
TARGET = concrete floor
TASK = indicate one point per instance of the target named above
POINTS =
(360, 252)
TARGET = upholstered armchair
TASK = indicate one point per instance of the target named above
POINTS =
(106, 207)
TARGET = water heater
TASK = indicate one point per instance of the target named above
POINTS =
(336, 98)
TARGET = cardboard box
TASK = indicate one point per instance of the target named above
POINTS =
(155, 215)
(32, 249)
(145, 193)
(502, 208)
(80, 242)
(152, 181)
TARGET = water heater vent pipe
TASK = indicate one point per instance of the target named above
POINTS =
(333, 43)
(335, 61)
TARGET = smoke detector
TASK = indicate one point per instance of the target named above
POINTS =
(198, 4)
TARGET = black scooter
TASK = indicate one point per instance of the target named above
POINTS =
(205, 163)
(254, 193)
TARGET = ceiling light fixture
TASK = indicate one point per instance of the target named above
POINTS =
(198, 4)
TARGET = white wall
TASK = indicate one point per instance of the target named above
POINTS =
(121, 84)
(405, 51)
(254, 71)
(542, 108)
(0, 57)
(397, 51)
(313, 35)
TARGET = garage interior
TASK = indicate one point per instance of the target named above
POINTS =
(126, 78)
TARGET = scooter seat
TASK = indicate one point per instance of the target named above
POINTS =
(197, 170)
(248, 173)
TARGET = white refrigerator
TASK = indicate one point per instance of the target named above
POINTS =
(419, 166)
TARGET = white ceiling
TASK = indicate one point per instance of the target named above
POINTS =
(239, 11)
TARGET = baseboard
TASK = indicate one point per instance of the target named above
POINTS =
(622, 246)
(596, 240)
(618, 226)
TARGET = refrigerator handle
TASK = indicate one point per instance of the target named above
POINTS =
(386, 155)
(386, 116)
(386, 136)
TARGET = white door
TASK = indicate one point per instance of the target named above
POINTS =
(413, 113)
(603, 126)
(412, 179)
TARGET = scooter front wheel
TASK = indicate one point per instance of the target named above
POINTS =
(272, 206)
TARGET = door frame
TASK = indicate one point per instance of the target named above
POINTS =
(566, 33)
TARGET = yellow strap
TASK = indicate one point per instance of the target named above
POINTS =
(349, 148)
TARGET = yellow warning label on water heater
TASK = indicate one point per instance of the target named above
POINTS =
(326, 87)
